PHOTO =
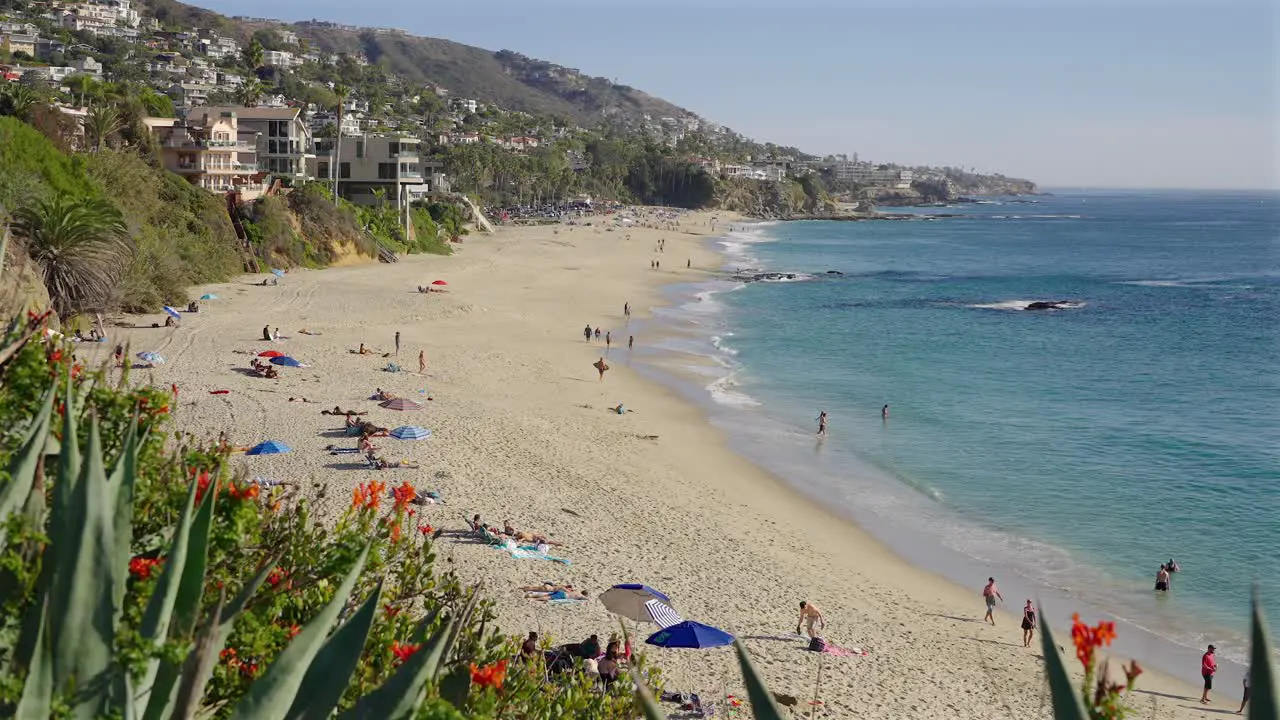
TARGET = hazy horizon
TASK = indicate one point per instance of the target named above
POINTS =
(1132, 94)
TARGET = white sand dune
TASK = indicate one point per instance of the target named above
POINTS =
(521, 432)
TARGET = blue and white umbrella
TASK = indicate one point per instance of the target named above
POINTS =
(629, 601)
(172, 313)
(270, 447)
(410, 432)
(154, 358)
(277, 273)
(286, 361)
(662, 615)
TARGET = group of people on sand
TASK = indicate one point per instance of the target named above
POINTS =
(264, 369)
(509, 531)
(604, 663)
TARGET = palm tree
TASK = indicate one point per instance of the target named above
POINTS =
(342, 91)
(253, 54)
(81, 86)
(100, 124)
(81, 246)
(250, 92)
(18, 101)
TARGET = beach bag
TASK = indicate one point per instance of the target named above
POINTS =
(817, 644)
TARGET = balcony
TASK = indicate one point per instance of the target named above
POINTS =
(218, 169)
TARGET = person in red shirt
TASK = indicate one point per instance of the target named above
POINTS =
(1208, 666)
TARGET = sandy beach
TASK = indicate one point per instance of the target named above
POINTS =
(522, 431)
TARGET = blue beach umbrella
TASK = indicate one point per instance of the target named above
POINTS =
(629, 601)
(410, 432)
(286, 361)
(690, 634)
(270, 447)
(277, 273)
(208, 296)
(172, 313)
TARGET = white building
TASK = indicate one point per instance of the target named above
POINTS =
(288, 37)
(279, 58)
(322, 118)
(868, 174)
(466, 105)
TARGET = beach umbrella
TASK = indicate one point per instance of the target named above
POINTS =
(271, 354)
(410, 432)
(270, 447)
(208, 296)
(172, 313)
(628, 600)
(151, 357)
(277, 273)
(286, 361)
(439, 282)
(402, 404)
(690, 634)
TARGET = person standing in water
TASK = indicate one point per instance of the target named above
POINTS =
(626, 309)
(822, 424)
(608, 339)
(1028, 624)
(991, 593)
(884, 413)
(631, 341)
(1162, 579)
(586, 333)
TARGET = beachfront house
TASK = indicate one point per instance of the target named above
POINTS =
(280, 135)
(209, 151)
(373, 164)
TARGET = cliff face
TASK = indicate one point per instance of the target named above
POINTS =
(21, 288)
(782, 200)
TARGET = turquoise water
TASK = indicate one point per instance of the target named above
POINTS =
(1069, 450)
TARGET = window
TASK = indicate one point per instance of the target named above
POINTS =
(322, 169)
(278, 128)
(386, 171)
(393, 149)
(359, 149)
(344, 170)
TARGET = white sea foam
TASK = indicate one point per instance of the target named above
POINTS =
(1022, 305)
(723, 392)
(720, 344)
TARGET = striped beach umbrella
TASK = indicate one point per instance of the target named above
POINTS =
(401, 404)
(270, 447)
(410, 432)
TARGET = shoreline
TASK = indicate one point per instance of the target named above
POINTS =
(521, 432)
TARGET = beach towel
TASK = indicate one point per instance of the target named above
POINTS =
(392, 367)
(843, 651)
(344, 451)
(219, 392)
(530, 552)
(567, 601)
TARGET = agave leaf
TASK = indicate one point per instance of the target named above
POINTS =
(270, 697)
(458, 625)
(762, 704)
(402, 693)
(456, 685)
(83, 586)
(330, 673)
(161, 702)
(1264, 703)
(159, 612)
(652, 710)
(121, 483)
(22, 470)
(198, 668)
(68, 467)
(1066, 701)
(37, 691)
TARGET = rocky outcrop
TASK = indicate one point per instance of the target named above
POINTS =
(21, 288)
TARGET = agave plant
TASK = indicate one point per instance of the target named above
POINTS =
(66, 651)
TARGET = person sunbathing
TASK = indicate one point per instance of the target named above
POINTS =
(339, 411)
(362, 351)
(380, 463)
(270, 373)
(301, 399)
(548, 587)
(526, 536)
(380, 394)
(368, 430)
(546, 596)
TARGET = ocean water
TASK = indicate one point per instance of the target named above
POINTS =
(1069, 452)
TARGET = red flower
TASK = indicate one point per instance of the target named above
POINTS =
(426, 529)
(390, 610)
(228, 653)
(293, 631)
(277, 576)
(246, 492)
(141, 567)
(202, 485)
(403, 651)
(490, 675)
(55, 356)
(403, 495)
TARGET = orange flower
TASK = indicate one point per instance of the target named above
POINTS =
(403, 495)
(202, 485)
(1132, 671)
(368, 496)
(1104, 633)
(426, 529)
(357, 497)
(246, 492)
(293, 631)
(141, 567)
(490, 675)
(403, 651)
(395, 533)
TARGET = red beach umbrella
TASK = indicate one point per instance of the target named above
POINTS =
(439, 282)
(270, 353)
(401, 404)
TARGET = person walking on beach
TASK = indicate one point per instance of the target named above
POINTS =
(397, 343)
(1245, 701)
(600, 366)
(1028, 624)
(626, 310)
(631, 341)
(1162, 579)
(822, 423)
(1208, 667)
(608, 340)
(991, 593)
(586, 333)
(422, 362)
(809, 616)
(688, 263)
(597, 334)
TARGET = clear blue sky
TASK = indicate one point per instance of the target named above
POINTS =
(1127, 93)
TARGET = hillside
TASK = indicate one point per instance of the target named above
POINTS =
(505, 78)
